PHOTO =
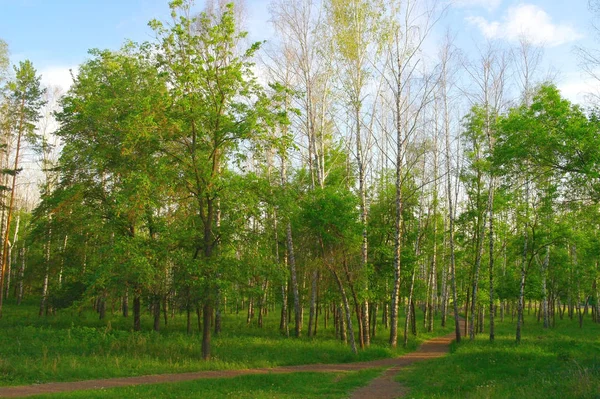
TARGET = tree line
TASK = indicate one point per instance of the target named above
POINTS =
(343, 171)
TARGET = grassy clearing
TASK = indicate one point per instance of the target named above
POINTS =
(296, 385)
(563, 362)
(72, 346)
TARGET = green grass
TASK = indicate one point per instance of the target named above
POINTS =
(563, 362)
(296, 385)
(72, 346)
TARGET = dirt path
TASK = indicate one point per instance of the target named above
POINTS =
(382, 387)
(385, 386)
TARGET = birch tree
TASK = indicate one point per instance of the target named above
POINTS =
(25, 97)
(300, 25)
(410, 26)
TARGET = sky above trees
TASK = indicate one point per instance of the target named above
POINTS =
(56, 35)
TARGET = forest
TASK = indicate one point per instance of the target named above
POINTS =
(345, 182)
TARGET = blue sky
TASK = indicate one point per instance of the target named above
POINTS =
(557, 25)
(56, 34)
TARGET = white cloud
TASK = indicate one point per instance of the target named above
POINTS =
(580, 89)
(529, 21)
(59, 76)
(488, 4)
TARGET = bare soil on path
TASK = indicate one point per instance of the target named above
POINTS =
(382, 387)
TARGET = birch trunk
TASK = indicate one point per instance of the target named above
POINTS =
(349, 330)
(44, 300)
(14, 242)
(11, 203)
(450, 202)
(491, 260)
(294, 278)
(292, 264)
(521, 304)
(313, 301)
(398, 215)
(545, 264)
(21, 283)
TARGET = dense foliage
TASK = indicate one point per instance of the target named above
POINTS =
(332, 180)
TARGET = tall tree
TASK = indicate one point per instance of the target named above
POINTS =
(488, 76)
(25, 96)
(214, 109)
(552, 136)
(357, 33)
(409, 101)
(110, 123)
(305, 53)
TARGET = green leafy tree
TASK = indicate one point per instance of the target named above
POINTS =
(110, 122)
(555, 143)
(216, 105)
(330, 217)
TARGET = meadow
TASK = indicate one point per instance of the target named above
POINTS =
(72, 346)
(560, 362)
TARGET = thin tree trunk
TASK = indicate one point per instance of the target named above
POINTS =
(450, 206)
(165, 308)
(397, 223)
(408, 310)
(156, 312)
(11, 203)
(453, 269)
(597, 297)
(318, 308)
(14, 242)
(199, 317)
(364, 320)
(413, 318)
(137, 311)
(188, 319)
(544, 288)
(283, 324)
(62, 261)
(349, 329)
(313, 301)
(263, 303)
(342, 324)
(294, 277)
(357, 309)
(478, 256)
(491, 254)
(102, 306)
(125, 305)
(433, 271)
(8, 270)
(521, 305)
(414, 272)
(467, 315)
(207, 317)
(444, 304)
(250, 311)
(373, 319)
(433, 291)
(44, 300)
(21, 283)
(218, 312)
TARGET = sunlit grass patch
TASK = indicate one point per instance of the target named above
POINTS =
(563, 362)
(76, 346)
